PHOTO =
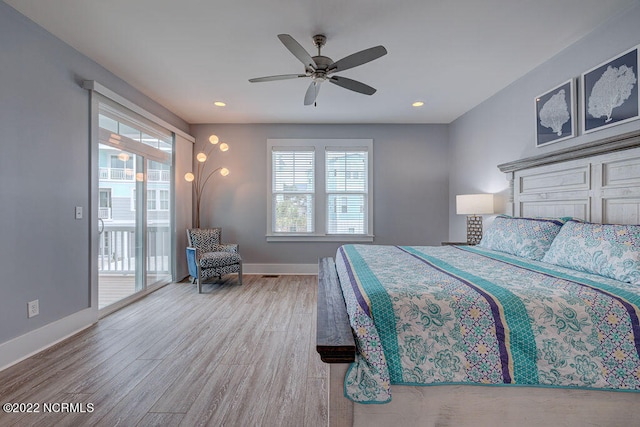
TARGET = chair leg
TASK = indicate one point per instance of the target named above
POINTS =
(199, 280)
(240, 275)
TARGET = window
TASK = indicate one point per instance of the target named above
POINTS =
(164, 200)
(104, 203)
(157, 199)
(151, 200)
(293, 190)
(346, 188)
(319, 190)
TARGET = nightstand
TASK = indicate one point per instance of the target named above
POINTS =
(456, 244)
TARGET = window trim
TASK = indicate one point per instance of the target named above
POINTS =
(321, 146)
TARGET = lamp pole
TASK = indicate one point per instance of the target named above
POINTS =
(197, 180)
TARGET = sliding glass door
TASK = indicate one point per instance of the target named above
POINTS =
(119, 226)
(134, 205)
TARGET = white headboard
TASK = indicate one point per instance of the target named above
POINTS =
(597, 182)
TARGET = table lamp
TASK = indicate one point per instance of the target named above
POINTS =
(474, 205)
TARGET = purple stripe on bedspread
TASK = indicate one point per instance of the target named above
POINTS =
(354, 283)
(495, 311)
(630, 308)
(636, 324)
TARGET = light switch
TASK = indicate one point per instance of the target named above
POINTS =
(78, 212)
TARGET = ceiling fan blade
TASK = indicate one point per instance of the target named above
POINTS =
(358, 58)
(312, 93)
(298, 51)
(353, 85)
(278, 77)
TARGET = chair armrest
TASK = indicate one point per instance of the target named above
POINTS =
(229, 247)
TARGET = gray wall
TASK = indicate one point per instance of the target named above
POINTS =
(410, 186)
(502, 128)
(44, 172)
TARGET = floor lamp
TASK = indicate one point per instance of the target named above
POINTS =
(474, 205)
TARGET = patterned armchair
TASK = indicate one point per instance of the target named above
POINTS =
(207, 257)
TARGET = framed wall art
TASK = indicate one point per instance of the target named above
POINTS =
(610, 92)
(555, 114)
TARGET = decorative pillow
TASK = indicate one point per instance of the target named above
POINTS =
(609, 250)
(525, 237)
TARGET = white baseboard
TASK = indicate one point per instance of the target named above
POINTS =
(302, 269)
(24, 346)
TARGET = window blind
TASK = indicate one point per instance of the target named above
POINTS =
(293, 191)
(346, 181)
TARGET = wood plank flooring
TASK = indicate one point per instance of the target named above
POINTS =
(232, 356)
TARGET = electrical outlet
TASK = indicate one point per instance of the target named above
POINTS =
(33, 308)
(78, 212)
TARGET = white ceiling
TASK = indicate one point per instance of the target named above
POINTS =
(451, 54)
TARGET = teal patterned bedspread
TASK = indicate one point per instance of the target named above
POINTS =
(467, 315)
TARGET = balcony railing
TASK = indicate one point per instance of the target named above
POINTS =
(104, 213)
(125, 174)
(158, 175)
(117, 250)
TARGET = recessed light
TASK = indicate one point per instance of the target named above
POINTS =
(219, 104)
(417, 104)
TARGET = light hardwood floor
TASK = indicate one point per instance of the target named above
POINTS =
(233, 356)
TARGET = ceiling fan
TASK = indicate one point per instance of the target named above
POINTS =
(320, 67)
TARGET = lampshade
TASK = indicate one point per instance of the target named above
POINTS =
(474, 204)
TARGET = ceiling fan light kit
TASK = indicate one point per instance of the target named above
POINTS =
(320, 68)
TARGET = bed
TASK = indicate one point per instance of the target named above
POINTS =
(528, 330)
